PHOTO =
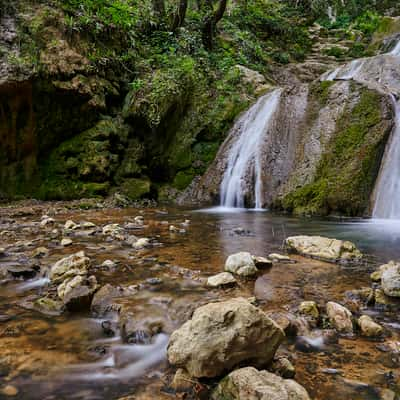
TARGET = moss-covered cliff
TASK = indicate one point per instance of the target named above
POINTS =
(99, 96)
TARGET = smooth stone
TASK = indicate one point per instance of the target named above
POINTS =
(141, 243)
(71, 225)
(9, 390)
(222, 279)
(2, 251)
(241, 264)
(47, 221)
(262, 262)
(109, 264)
(66, 242)
(249, 383)
(88, 225)
(221, 336)
(40, 252)
(327, 249)
(275, 257)
(340, 317)
(369, 327)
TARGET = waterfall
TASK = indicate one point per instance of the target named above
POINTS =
(387, 198)
(244, 161)
(387, 189)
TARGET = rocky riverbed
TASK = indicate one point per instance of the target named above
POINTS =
(99, 302)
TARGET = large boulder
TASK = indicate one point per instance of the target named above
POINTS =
(241, 264)
(248, 383)
(323, 248)
(222, 335)
(339, 317)
(391, 280)
(69, 267)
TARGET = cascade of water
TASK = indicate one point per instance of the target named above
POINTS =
(244, 158)
(387, 198)
(387, 190)
(396, 50)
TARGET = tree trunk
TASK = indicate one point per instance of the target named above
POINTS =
(159, 9)
(179, 17)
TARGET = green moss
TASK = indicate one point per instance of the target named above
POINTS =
(183, 179)
(135, 189)
(348, 168)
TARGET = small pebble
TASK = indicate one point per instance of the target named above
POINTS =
(66, 242)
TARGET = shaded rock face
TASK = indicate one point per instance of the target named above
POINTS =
(317, 156)
(222, 335)
(331, 250)
(248, 383)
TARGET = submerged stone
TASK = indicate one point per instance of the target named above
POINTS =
(323, 248)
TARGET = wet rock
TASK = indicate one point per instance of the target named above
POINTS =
(340, 317)
(40, 252)
(222, 279)
(290, 324)
(323, 248)
(387, 394)
(109, 264)
(369, 327)
(107, 327)
(141, 243)
(76, 293)
(283, 367)
(88, 225)
(381, 300)
(222, 335)
(364, 295)
(138, 331)
(309, 308)
(275, 257)
(71, 225)
(2, 251)
(47, 221)
(391, 280)
(182, 381)
(48, 306)
(66, 242)
(241, 264)
(26, 271)
(114, 231)
(67, 267)
(262, 262)
(316, 341)
(103, 300)
(173, 228)
(248, 383)
(154, 281)
(9, 390)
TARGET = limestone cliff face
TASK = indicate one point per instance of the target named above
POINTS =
(321, 153)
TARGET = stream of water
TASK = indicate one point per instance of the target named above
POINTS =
(70, 356)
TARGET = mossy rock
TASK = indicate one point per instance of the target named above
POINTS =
(135, 189)
(349, 166)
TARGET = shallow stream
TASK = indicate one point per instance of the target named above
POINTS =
(69, 356)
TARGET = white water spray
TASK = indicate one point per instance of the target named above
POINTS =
(245, 156)
(387, 201)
